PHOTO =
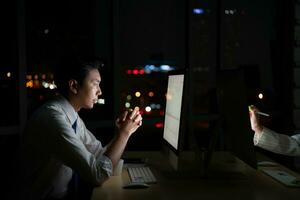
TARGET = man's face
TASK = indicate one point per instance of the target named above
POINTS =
(90, 89)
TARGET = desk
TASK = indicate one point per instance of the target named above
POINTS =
(254, 185)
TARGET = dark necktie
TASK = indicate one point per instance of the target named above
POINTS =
(74, 125)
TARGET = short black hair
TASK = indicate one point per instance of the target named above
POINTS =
(74, 68)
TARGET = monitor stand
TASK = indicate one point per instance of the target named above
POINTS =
(185, 164)
(189, 165)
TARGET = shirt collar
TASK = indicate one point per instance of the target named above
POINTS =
(68, 109)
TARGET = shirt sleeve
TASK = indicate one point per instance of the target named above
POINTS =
(90, 141)
(73, 153)
(95, 147)
(278, 143)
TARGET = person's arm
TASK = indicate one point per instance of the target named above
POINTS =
(90, 141)
(127, 124)
(278, 143)
(272, 141)
(113, 151)
(72, 152)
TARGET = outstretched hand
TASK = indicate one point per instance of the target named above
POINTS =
(255, 120)
(129, 121)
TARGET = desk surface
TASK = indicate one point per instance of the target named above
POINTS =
(252, 184)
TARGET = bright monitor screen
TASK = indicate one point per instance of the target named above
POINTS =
(173, 109)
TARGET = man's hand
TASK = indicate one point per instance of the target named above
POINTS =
(129, 121)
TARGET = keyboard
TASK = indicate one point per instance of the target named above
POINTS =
(141, 174)
(282, 176)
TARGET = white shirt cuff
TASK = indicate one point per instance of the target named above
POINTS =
(257, 136)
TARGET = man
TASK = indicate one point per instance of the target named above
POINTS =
(57, 144)
(272, 141)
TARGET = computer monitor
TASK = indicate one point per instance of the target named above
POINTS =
(173, 110)
(237, 135)
(175, 134)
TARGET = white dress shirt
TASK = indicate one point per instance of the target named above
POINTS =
(278, 143)
(51, 149)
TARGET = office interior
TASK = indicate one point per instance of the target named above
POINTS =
(140, 42)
